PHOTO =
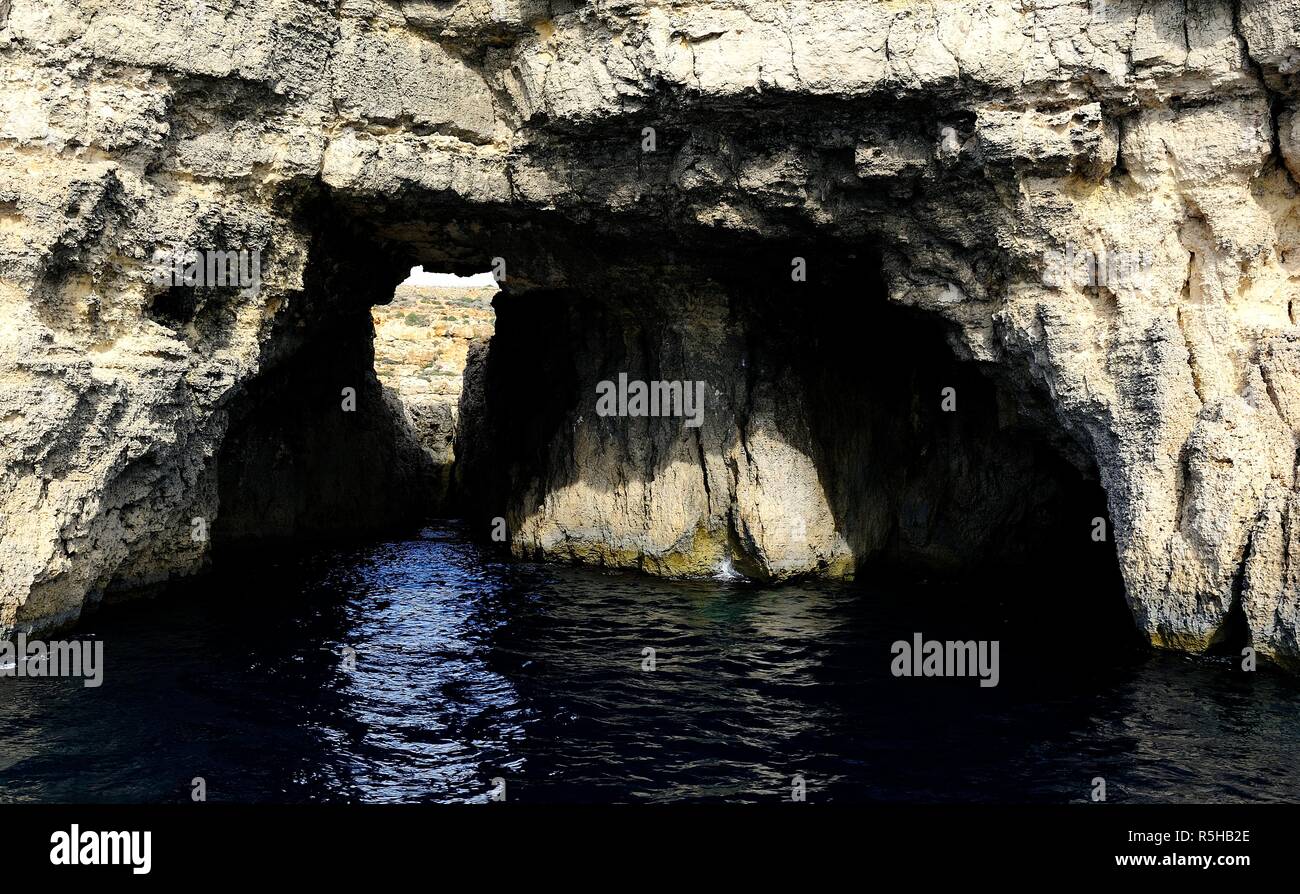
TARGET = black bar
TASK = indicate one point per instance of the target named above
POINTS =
(660, 845)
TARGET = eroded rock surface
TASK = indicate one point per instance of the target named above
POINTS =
(1094, 202)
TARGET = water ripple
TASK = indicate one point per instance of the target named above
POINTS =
(468, 669)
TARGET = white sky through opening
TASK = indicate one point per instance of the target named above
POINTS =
(419, 278)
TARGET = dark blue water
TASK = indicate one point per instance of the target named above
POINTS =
(469, 668)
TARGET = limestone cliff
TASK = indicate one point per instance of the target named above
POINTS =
(1090, 203)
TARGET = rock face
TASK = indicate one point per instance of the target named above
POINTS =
(1091, 206)
(822, 439)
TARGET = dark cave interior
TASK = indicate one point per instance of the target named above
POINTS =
(981, 493)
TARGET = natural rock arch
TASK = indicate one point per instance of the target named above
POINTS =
(972, 145)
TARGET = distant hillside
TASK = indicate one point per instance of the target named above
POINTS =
(423, 336)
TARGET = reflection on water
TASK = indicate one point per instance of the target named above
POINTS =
(468, 668)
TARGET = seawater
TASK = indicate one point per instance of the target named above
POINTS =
(469, 668)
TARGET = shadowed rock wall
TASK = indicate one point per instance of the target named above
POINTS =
(824, 442)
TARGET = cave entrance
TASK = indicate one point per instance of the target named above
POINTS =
(829, 446)
(350, 434)
(424, 339)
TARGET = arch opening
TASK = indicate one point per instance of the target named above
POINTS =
(826, 445)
